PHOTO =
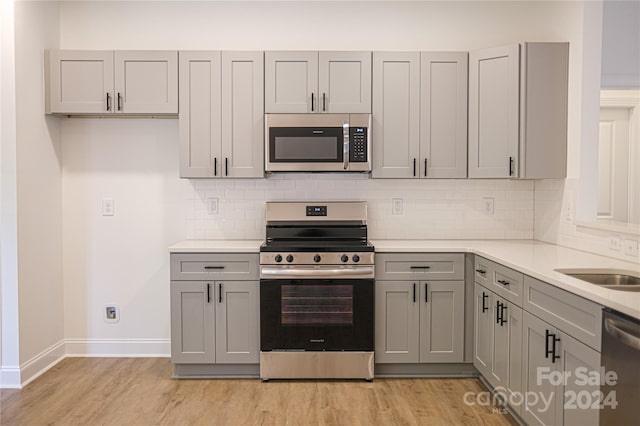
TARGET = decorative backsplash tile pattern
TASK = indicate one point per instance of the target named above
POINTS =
(432, 209)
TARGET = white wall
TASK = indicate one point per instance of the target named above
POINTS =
(39, 194)
(123, 259)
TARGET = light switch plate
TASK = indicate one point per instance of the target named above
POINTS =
(615, 243)
(488, 205)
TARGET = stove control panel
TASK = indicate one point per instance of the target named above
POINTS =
(316, 210)
(310, 258)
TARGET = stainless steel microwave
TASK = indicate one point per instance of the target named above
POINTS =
(318, 142)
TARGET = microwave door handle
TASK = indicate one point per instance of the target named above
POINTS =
(345, 139)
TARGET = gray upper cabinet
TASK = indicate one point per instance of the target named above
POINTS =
(443, 114)
(312, 82)
(396, 114)
(221, 114)
(108, 82)
(420, 114)
(518, 111)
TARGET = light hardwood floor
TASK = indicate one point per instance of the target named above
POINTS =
(140, 391)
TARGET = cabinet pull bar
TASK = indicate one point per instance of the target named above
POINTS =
(324, 102)
(484, 297)
(312, 101)
(213, 267)
(220, 293)
(108, 102)
(481, 271)
(547, 352)
(510, 166)
(419, 267)
(208, 292)
(425, 167)
(503, 282)
(498, 312)
(502, 320)
(119, 102)
(426, 293)
(226, 166)
(215, 166)
(414, 292)
(414, 167)
(553, 349)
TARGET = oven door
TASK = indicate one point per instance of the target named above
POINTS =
(316, 314)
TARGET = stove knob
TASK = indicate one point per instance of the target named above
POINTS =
(317, 258)
(356, 258)
(344, 258)
(289, 258)
(278, 258)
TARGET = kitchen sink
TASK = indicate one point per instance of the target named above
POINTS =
(607, 278)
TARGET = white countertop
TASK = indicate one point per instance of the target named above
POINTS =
(536, 259)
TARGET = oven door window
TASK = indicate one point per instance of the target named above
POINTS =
(320, 305)
(305, 145)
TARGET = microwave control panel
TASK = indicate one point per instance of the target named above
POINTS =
(358, 144)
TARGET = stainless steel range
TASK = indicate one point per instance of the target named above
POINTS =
(316, 292)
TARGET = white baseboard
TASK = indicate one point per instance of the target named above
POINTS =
(10, 378)
(118, 347)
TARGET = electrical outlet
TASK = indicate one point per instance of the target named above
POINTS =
(615, 243)
(212, 205)
(111, 313)
(568, 214)
(108, 208)
(630, 247)
(397, 206)
(487, 203)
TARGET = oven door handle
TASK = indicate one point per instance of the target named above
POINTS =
(365, 272)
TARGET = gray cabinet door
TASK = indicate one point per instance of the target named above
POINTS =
(146, 82)
(200, 120)
(242, 114)
(443, 114)
(237, 322)
(483, 329)
(514, 317)
(80, 81)
(396, 322)
(192, 322)
(291, 79)
(396, 114)
(344, 82)
(441, 321)
(573, 356)
(493, 112)
(535, 359)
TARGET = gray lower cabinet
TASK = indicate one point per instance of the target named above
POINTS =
(419, 321)
(214, 322)
(548, 350)
(498, 341)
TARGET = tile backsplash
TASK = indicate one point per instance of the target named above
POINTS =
(432, 209)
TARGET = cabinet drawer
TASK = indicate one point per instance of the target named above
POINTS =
(420, 266)
(214, 266)
(578, 317)
(505, 282)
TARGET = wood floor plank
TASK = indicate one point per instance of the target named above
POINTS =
(119, 391)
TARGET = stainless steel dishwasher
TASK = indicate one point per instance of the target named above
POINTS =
(621, 354)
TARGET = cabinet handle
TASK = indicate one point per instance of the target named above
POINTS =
(503, 282)
(220, 293)
(214, 267)
(208, 292)
(425, 167)
(553, 349)
(547, 351)
(414, 292)
(324, 102)
(481, 271)
(108, 102)
(510, 166)
(426, 293)
(498, 312)
(312, 101)
(226, 166)
(215, 166)
(419, 267)
(119, 102)
(484, 307)
(502, 309)
(414, 167)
